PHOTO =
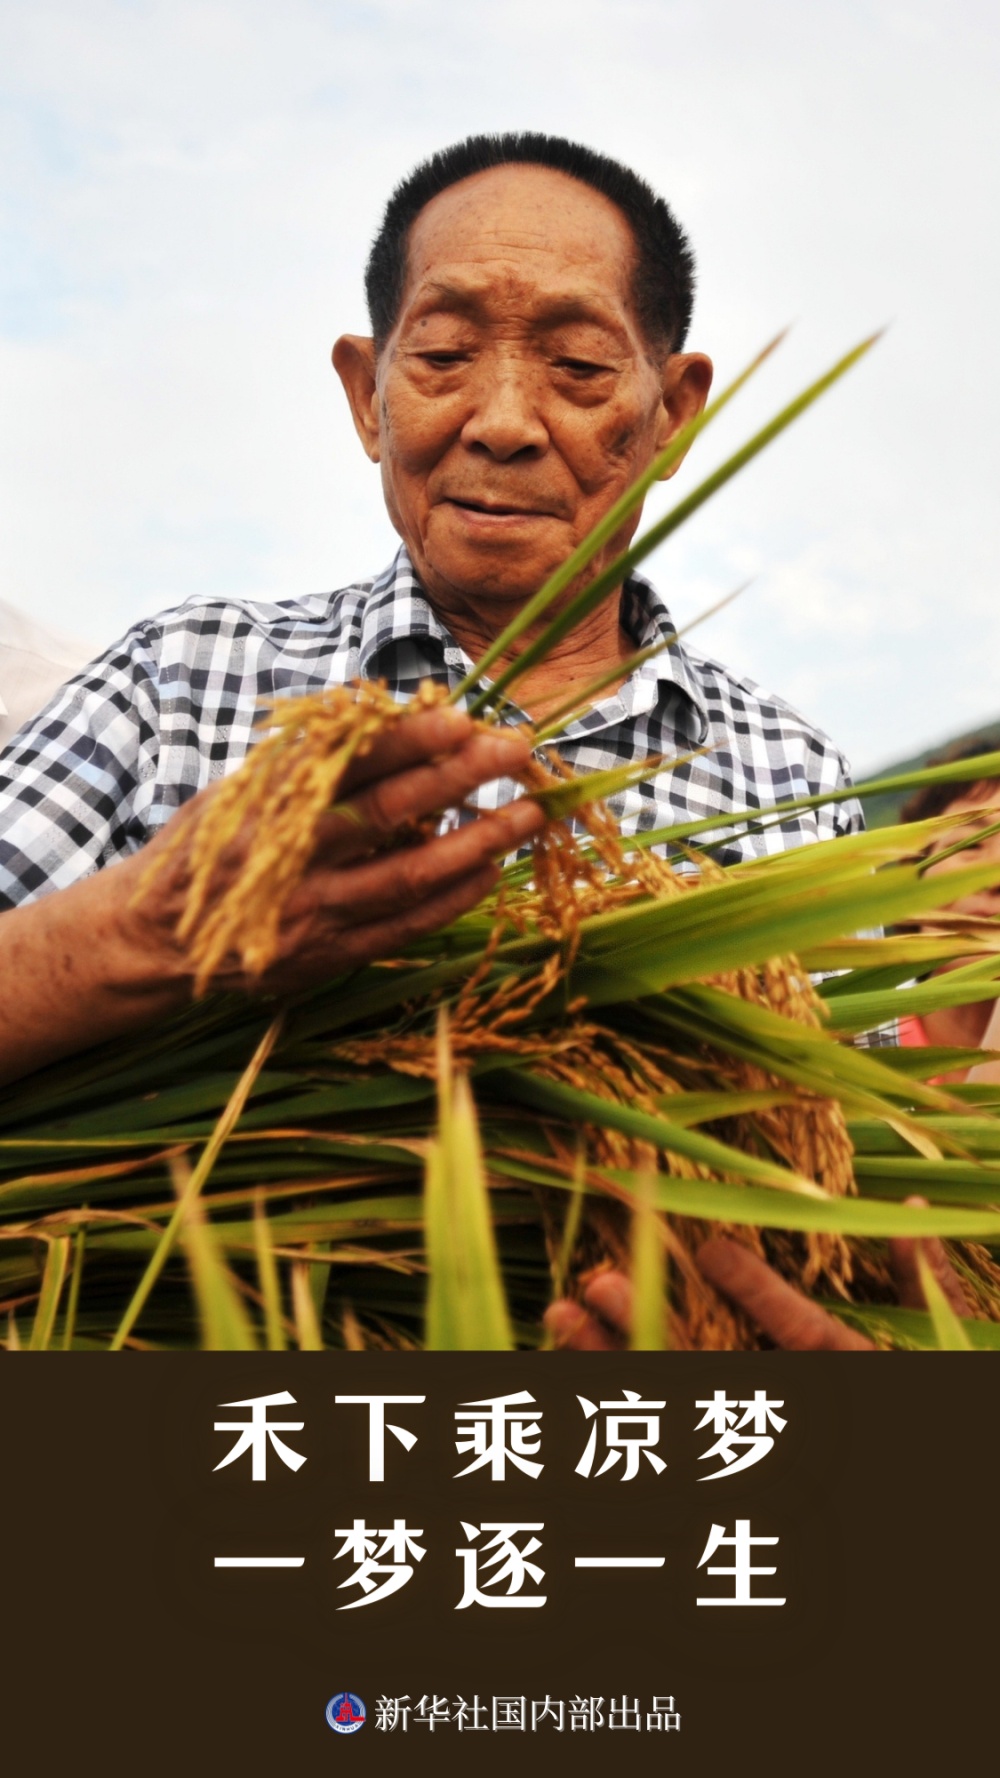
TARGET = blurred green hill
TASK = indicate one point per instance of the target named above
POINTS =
(882, 811)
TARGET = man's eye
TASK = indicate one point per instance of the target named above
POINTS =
(583, 369)
(442, 360)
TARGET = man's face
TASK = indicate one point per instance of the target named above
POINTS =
(517, 397)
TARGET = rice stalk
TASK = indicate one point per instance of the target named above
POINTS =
(267, 1274)
(648, 1269)
(625, 1024)
(225, 1325)
(949, 1334)
(53, 1278)
(466, 1307)
(307, 1324)
(193, 1182)
(75, 1286)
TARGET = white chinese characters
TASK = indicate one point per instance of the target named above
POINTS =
(631, 1426)
(509, 1560)
(378, 1427)
(498, 1568)
(526, 1715)
(257, 1432)
(499, 1430)
(381, 1568)
(722, 1415)
(743, 1571)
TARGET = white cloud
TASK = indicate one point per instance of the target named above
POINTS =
(189, 194)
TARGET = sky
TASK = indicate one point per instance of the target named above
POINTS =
(187, 195)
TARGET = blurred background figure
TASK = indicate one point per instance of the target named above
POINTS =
(34, 662)
(976, 802)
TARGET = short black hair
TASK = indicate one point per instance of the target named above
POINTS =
(934, 799)
(664, 272)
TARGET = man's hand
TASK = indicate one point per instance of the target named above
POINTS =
(90, 962)
(367, 891)
(601, 1322)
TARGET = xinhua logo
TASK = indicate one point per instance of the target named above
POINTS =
(346, 1713)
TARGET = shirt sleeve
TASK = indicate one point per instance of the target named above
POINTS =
(850, 818)
(836, 819)
(76, 781)
(843, 817)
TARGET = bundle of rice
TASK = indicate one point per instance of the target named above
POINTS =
(628, 1049)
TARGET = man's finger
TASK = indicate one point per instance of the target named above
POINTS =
(377, 815)
(785, 1315)
(421, 737)
(383, 937)
(426, 740)
(905, 1270)
(345, 950)
(392, 883)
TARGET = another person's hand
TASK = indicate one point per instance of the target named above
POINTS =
(988, 1073)
(791, 1320)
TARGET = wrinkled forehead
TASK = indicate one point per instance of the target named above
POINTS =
(522, 226)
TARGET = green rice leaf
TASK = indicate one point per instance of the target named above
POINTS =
(267, 1276)
(730, 925)
(611, 577)
(227, 1123)
(946, 1181)
(579, 1107)
(571, 1226)
(867, 1218)
(949, 1332)
(805, 1056)
(956, 771)
(225, 1324)
(707, 1108)
(53, 1278)
(862, 1012)
(648, 1271)
(307, 1326)
(578, 705)
(564, 799)
(606, 529)
(912, 1329)
(466, 1306)
(75, 1285)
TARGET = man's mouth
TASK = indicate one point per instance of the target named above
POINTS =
(496, 509)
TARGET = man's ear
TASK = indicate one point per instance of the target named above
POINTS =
(687, 379)
(354, 362)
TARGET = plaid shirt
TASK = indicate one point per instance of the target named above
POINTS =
(172, 705)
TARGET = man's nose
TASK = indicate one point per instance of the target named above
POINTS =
(505, 418)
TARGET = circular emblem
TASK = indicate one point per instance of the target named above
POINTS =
(346, 1713)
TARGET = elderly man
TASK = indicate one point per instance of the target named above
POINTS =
(529, 304)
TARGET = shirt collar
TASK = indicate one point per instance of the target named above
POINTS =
(646, 619)
(397, 610)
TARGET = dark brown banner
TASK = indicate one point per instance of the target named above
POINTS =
(708, 1564)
